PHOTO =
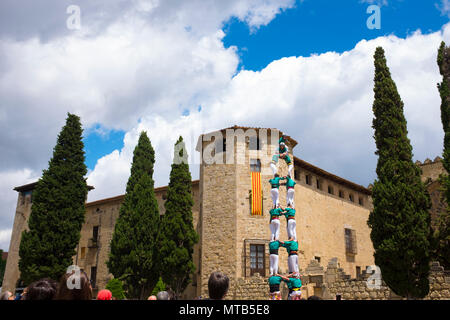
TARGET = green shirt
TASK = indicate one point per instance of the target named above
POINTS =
(290, 212)
(282, 149)
(275, 182)
(290, 246)
(290, 182)
(274, 245)
(274, 280)
(275, 213)
(293, 283)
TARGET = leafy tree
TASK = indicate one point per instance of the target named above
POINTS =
(442, 233)
(160, 286)
(400, 221)
(116, 287)
(133, 243)
(177, 236)
(57, 211)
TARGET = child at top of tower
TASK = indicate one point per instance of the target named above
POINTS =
(283, 153)
(274, 192)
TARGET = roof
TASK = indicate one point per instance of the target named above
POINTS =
(31, 186)
(120, 197)
(291, 140)
(326, 174)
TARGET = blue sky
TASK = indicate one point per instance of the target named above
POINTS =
(311, 27)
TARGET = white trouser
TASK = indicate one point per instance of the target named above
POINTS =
(273, 266)
(273, 166)
(290, 197)
(275, 196)
(291, 226)
(295, 295)
(293, 263)
(275, 229)
(290, 167)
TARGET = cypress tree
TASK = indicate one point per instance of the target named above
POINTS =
(57, 211)
(400, 221)
(442, 234)
(116, 287)
(131, 257)
(177, 236)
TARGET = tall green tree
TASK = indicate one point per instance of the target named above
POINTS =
(132, 256)
(442, 232)
(177, 235)
(57, 211)
(400, 221)
(116, 287)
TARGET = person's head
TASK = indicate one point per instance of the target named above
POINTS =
(78, 289)
(7, 295)
(44, 289)
(276, 175)
(314, 298)
(218, 285)
(152, 297)
(104, 295)
(163, 295)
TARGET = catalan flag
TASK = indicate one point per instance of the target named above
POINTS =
(256, 194)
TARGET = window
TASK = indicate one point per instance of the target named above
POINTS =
(255, 165)
(317, 259)
(308, 179)
(254, 143)
(341, 194)
(350, 241)
(83, 253)
(358, 272)
(296, 175)
(221, 145)
(350, 197)
(164, 196)
(330, 190)
(95, 233)
(319, 184)
(361, 201)
(93, 277)
(257, 263)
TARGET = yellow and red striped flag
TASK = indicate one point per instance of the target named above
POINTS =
(256, 194)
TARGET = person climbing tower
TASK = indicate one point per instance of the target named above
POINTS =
(273, 258)
(274, 191)
(294, 284)
(291, 225)
(290, 183)
(274, 287)
(283, 153)
(291, 248)
(275, 223)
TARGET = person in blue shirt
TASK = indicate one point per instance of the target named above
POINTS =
(274, 191)
(283, 153)
(273, 257)
(290, 183)
(274, 287)
(275, 223)
(291, 225)
(292, 250)
(294, 285)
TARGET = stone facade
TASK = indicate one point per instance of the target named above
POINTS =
(331, 214)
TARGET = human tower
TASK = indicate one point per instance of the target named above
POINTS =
(293, 279)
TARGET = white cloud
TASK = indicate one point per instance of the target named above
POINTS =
(444, 7)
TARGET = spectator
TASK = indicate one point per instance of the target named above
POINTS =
(152, 297)
(44, 289)
(7, 295)
(218, 285)
(84, 292)
(314, 298)
(163, 295)
(104, 295)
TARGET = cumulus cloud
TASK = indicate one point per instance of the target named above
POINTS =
(444, 7)
(324, 101)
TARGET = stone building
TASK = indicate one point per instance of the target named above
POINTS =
(331, 217)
